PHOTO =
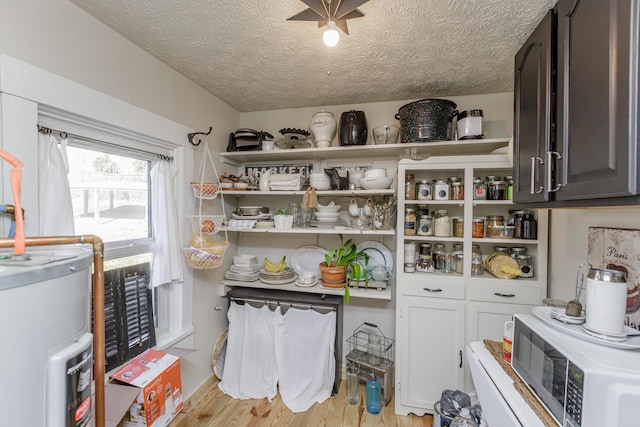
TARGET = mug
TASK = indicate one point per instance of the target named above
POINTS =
(380, 273)
(307, 277)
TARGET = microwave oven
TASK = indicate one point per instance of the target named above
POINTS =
(580, 383)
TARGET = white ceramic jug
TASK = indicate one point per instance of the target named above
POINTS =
(323, 127)
(606, 301)
(264, 180)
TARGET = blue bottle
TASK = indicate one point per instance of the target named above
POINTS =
(373, 395)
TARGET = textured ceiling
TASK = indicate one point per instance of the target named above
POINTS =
(246, 52)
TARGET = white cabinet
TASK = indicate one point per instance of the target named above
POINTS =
(436, 304)
(432, 335)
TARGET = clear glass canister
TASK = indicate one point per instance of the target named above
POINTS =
(424, 226)
(438, 249)
(509, 183)
(514, 251)
(525, 263)
(503, 249)
(425, 249)
(477, 227)
(441, 190)
(457, 223)
(457, 191)
(409, 187)
(459, 261)
(457, 247)
(494, 226)
(498, 191)
(476, 266)
(423, 190)
(409, 222)
(442, 223)
(479, 189)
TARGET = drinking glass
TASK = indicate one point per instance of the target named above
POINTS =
(374, 348)
(297, 216)
(353, 378)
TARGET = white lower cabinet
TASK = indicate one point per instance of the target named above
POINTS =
(432, 330)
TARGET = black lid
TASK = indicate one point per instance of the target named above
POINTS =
(470, 113)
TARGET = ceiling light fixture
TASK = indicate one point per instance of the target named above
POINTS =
(333, 14)
(331, 36)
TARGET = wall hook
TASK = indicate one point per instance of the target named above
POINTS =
(198, 141)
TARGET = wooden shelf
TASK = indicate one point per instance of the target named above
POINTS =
(317, 230)
(320, 193)
(370, 293)
(391, 151)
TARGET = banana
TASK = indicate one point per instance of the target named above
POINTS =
(275, 267)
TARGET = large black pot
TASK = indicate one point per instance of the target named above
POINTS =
(427, 120)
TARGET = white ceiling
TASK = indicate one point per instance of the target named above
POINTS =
(246, 52)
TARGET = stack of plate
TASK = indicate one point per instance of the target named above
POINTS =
(245, 268)
(281, 278)
(328, 218)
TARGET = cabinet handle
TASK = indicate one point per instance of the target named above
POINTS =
(460, 353)
(534, 169)
(498, 294)
(432, 290)
(550, 155)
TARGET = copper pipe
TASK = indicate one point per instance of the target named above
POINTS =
(98, 306)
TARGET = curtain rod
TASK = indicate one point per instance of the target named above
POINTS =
(290, 304)
(65, 135)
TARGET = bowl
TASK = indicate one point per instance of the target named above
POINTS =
(376, 183)
(327, 215)
(240, 185)
(333, 208)
(226, 185)
(252, 210)
(385, 134)
(375, 173)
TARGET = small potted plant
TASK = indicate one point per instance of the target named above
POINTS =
(342, 265)
(283, 218)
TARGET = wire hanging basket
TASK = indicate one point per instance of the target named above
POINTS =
(364, 340)
(204, 251)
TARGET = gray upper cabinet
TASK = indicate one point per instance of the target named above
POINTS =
(587, 155)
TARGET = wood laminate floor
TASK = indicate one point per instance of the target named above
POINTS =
(209, 407)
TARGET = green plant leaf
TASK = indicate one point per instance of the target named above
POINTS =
(347, 297)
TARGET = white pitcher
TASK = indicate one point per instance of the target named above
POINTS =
(264, 180)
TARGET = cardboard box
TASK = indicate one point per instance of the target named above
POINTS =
(157, 376)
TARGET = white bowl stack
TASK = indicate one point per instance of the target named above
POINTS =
(319, 181)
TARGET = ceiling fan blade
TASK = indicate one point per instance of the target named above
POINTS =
(347, 6)
(351, 15)
(318, 6)
(342, 24)
(308, 15)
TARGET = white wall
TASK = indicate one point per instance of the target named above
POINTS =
(57, 36)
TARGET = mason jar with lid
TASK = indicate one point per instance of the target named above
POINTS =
(441, 190)
(438, 249)
(424, 226)
(477, 227)
(457, 247)
(457, 223)
(514, 251)
(479, 189)
(457, 191)
(442, 223)
(529, 226)
(503, 249)
(409, 187)
(509, 183)
(422, 210)
(476, 266)
(409, 222)
(498, 191)
(489, 179)
(518, 216)
(453, 179)
(458, 261)
(423, 190)
(425, 249)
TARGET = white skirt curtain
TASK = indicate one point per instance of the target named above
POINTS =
(167, 261)
(56, 209)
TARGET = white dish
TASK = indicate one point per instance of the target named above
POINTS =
(235, 215)
(560, 314)
(544, 313)
(375, 183)
(308, 258)
(306, 285)
(327, 214)
(332, 219)
(378, 253)
(332, 223)
(334, 208)
(270, 281)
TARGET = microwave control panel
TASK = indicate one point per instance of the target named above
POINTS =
(575, 390)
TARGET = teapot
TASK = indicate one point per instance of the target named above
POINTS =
(380, 273)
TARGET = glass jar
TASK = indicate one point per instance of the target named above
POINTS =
(448, 263)
(441, 190)
(529, 226)
(476, 266)
(502, 249)
(525, 263)
(424, 226)
(498, 191)
(453, 179)
(457, 247)
(518, 216)
(409, 222)
(477, 227)
(423, 190)
(458, 265)
(509, 183)
(409, 187)
(425, 249)
(517, 250)
(494, 226)
(425, 265)
(409, 267)
(422, 210)
(457, 191)
(457, 223)
(479, 189)
(475, 251)
(438, 249)
(489, 179)
(442, 223)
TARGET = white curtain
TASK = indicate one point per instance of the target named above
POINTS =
(167, 263)
(56, 210)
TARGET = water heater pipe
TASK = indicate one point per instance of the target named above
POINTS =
(98, 304)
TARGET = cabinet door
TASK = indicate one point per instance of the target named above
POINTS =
(430, 352)
(532, 120)
(597, 65)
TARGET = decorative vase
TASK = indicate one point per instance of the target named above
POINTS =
(332, 276)
(283, 221)
(323, 126)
